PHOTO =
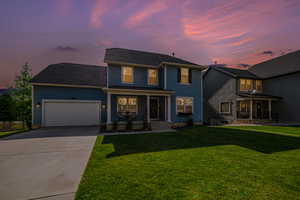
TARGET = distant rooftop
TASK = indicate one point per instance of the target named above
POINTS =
(285, 64)
(238, 73)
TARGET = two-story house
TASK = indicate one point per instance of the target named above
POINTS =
(149, 86)
(235, 95)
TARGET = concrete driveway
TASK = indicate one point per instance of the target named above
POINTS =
(44, 164)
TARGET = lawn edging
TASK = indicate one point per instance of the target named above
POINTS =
(9, 133)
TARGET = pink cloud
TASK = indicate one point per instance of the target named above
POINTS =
(235, 26)
(98, 11)
(150, 10)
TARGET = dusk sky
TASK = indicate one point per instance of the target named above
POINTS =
(44, 32)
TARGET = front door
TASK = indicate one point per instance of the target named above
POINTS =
(259, 110)
(154, 108)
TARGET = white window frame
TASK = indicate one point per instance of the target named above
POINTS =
(137, 107)
(148, 77)
(188, 76)
(185, 97)
(122, 71)
(220, 108)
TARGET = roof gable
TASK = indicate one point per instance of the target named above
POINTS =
(235, 73)
(72, 74)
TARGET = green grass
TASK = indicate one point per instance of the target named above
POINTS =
(195, 164)
(8, 133)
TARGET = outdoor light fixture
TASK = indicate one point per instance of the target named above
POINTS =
(38, 105)
(103, 106)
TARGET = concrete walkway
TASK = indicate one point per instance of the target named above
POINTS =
(45, 163)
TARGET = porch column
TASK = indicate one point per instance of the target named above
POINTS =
(166, 109)
(148, 108)
(270, 109)
(251, 109)
(108, 108)
(169, 108)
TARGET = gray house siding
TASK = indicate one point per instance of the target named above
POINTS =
(50, 92)
(218, 87)
(287, 87)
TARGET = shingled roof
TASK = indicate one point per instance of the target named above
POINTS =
(281, 65)
(72, 74)
(236, 73)
(140, 57)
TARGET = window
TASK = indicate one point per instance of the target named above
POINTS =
(184, 105)
(127, 104)
(127, 74)
(152, 76)
(258, 84)
(184, 75)
(244, 106)
(245, 84)
(225, 107)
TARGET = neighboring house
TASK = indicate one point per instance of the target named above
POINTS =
(151, 86)
(281, 77)
(268, 91)
(235, 95)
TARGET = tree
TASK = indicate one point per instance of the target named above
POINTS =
(22, 95)
(7, 110)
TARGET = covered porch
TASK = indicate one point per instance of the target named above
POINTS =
(256, 107)
(139, 105)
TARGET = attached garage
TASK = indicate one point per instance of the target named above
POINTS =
(71, 113)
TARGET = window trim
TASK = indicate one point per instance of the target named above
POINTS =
(137, 107)
(247, 107)
(188, 76)
(240, 83)
(220, 107)
(122, 79)
(148, 77)
(185, 97)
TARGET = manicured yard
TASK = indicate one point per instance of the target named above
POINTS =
(195, 164)
(8, 133)
(15, 128)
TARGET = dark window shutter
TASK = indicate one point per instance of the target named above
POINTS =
(178, 75)
(190, 75)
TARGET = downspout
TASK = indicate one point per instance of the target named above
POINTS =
(202, 88)
(32, 105)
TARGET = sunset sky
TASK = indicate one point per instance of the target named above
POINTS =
(44, 32)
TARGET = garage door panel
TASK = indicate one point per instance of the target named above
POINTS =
(71, 113)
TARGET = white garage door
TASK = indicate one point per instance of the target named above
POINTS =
(71, 113)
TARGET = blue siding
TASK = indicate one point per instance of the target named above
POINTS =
(140, 77)
(191, 90)
(45, 92)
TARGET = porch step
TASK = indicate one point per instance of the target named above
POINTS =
(160, 125)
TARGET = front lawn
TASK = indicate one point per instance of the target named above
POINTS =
(196, 164)
(8, 133)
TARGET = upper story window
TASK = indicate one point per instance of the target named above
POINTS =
(245, 84)
(184, 105)
(127, 74)
(184, 75)
(258, 85)
(127, 105)
(152, 76)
